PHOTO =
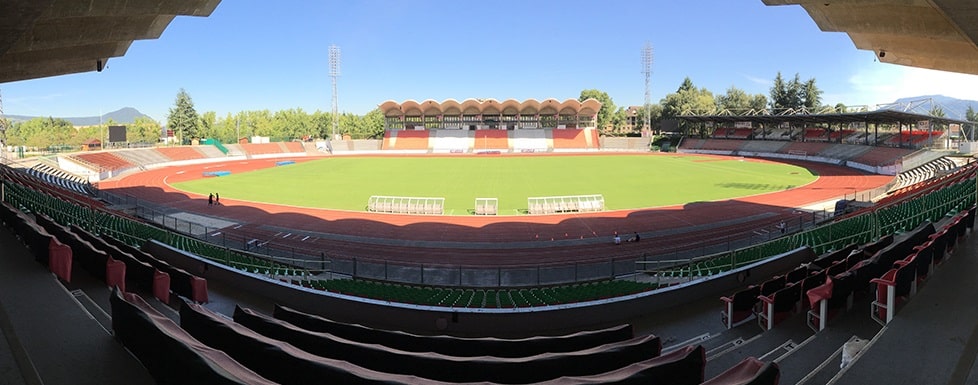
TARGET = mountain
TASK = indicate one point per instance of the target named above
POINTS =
(126, 115)
(954, 108)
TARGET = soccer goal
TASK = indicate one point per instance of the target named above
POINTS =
(565, 204)
(406, 205)
(486, 206)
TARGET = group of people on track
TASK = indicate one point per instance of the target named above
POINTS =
(633, 238)
(214, 199)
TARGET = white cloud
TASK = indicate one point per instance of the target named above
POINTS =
(883, 83)
(759, 80)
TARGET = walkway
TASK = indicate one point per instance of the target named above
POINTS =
(52, 337)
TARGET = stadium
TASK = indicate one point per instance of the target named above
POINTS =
(416, 271)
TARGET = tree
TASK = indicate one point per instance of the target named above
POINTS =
(778, 93)
(737, 101)
(687, 85)
(42, 133)
(183, 118)
(373, 123)
(970, 114)
(618, 122)
(322, 123)
(811, 96)
(654, 113)
(840, 108)
(758, 102)
(143, 130)
(292, 124)
(936, 111)
(795, 94)
(608, 109)
(688, 100)
(208, 124)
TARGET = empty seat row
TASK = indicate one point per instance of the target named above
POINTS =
(900, 282)
(61, 179)
(893, 271)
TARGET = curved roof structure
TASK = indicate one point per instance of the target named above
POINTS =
(44, 38)
(470, 106)
(935, 34)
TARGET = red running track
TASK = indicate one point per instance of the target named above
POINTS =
(482, 240)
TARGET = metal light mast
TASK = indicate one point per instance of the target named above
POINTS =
(334, 72)
(647, 70)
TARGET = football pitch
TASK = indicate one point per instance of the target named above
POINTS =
(625, 181)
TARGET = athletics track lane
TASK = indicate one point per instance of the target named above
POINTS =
(833, 182)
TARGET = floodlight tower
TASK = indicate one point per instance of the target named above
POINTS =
(334, 72)
(647, 70)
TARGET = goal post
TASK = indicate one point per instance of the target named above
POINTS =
(486, 206)
(406, 205)
(565, 204)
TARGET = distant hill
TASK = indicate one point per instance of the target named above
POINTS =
(953, 108)
(125, 115)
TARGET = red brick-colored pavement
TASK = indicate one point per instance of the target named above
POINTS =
(493, 240)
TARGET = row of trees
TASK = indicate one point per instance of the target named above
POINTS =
(47, 132)
(690, 100)
(186, 123)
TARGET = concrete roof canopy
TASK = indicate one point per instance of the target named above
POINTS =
(935, 34)
(44, 38)
(431, 107)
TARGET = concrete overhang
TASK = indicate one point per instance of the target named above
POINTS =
(935, 34)
(41, 38)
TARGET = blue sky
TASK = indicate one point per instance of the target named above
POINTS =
(251, 55)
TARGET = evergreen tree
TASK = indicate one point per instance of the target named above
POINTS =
(778, 93)
(812, 95)
(795, 94)
(183, 118)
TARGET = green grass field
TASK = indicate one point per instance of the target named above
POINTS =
(626, 181)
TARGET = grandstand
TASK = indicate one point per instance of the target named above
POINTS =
(904, 263)
(613, 143)
(774, 311)
(472, 114)
(530, 141)
(881, 160)
(451, 141)
(597, 292)
(143, 157)
(406, 140)
(104, 161)
(572, 139)
(96, 166)
(181, 153)
(503, 141)
(491, 140)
